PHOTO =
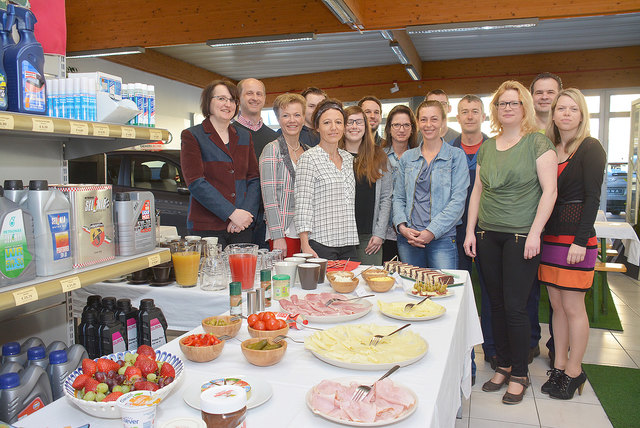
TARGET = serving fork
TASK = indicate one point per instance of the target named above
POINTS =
(410, 306)
(281, 337)
(378, 337)
(362, 391)
(333, 300)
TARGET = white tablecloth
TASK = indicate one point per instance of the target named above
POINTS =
(437, 378)
(623, 231)
(183, 308)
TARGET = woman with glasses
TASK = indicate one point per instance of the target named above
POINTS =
(220, 169)
(325, 190)
(374, 184)
(278, 163)
(570, 247)
(512, 198)
(400, 134)
(430, 190)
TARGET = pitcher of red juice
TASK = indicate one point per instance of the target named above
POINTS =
(242, 263)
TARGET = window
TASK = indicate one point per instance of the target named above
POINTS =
(155, 174)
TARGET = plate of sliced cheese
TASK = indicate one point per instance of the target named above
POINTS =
(426, 310)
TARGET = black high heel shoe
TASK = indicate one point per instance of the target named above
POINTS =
(567, 386)
(554, 377)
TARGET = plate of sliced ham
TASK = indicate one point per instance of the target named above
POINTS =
(387, 403)
(312, 307)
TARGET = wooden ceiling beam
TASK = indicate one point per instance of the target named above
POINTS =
(589, 69)
(409, 49)
(120, 23)
(166, 66)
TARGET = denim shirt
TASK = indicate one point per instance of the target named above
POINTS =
(393, 161)
(449, 183)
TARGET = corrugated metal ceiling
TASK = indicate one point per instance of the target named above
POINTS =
(354, 50)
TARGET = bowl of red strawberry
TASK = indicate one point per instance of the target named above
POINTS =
(96, 385)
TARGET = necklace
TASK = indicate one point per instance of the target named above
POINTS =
(296, 149)
(294, 156)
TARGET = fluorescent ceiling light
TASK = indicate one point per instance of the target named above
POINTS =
(106, 52)
(397, 49)
(412, 72)
(344, 13)
(256, 40)
(386, 34)
(473, 26)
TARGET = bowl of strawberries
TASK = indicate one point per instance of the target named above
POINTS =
(96, 386)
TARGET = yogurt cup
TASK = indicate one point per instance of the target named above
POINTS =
(138, 409)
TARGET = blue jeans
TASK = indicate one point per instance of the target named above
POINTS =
(438, 254)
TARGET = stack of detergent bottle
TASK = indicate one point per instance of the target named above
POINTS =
(32, 375)
(22, 81)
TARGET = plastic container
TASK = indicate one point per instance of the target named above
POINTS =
(128, 316)
(61, 364)
(138, 409)
(152, 325)
(12, 367)
(22, 396)
(12, 352)
(6, 41)
(17, 243)
(24, 65)
(109, 305)
(135, 222)
(224, 406)
(15, 191)
(88, 335)
(51, 217)
(112, 334)
(56, 346)
(37, 356)
(94, 301)
(31, 342)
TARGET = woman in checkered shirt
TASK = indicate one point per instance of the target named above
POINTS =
(325, 190)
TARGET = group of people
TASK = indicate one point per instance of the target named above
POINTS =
(522, 203)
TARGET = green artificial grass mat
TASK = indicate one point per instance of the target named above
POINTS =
(618, 389)
(610, 321)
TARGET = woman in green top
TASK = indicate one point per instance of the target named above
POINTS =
(512, 198)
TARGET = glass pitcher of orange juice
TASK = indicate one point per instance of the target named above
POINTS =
(186, 261)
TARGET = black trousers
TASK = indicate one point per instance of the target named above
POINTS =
(508, 277)
(334, 253)
(389, 250)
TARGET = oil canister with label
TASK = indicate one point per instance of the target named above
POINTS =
(135, 221)
(17, 244)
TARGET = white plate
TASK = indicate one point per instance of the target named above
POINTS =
(261, 390)
(333, 319)
(407, 285)
(364, 381)
(458, 279)
(403, 318)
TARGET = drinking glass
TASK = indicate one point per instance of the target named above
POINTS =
(242, 262)
(186, 262)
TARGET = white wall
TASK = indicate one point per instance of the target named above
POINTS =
(175, 101)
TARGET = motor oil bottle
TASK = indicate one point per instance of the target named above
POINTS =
(50, 211)
(11, 367)
(128, 316)
(31, 342)
(22, 396)
(17, 243)
(24, 65)
(61, 364)
(15, 191)
(37, 356)
(94, 301)
(135, 223)
(88, 335)
(6, 41)
(12, 352)
(109, 305)
(56, 346)
(152, 325)
(112, 334)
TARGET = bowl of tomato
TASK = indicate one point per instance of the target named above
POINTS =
(201, 347)
(265, 324)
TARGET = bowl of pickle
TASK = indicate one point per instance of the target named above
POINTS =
(263, 352)
(222, 325)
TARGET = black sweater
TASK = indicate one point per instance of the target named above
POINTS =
(581, 181)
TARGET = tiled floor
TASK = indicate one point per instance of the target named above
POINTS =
(606, 347)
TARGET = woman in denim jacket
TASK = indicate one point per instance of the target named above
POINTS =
(430, 188)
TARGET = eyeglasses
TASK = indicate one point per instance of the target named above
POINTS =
(513, 104)
(352, 122)
(397, 126)
(224, 99)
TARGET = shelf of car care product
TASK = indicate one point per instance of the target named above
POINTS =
(43, 287)
(80, 138)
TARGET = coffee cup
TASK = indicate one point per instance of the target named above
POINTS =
(323, 267)
(309, 273)
(287, 268)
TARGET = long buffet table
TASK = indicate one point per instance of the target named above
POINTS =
(437, 379)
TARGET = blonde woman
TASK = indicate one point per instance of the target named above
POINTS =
(512, 198)
(570, 247)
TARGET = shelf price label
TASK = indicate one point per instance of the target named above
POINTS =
(154, 260)
(25, 295)
(78, 128)
(100, 130)
(128, 132)
(70, 284)
(6, 121)
(42, 125)
(155, 135)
